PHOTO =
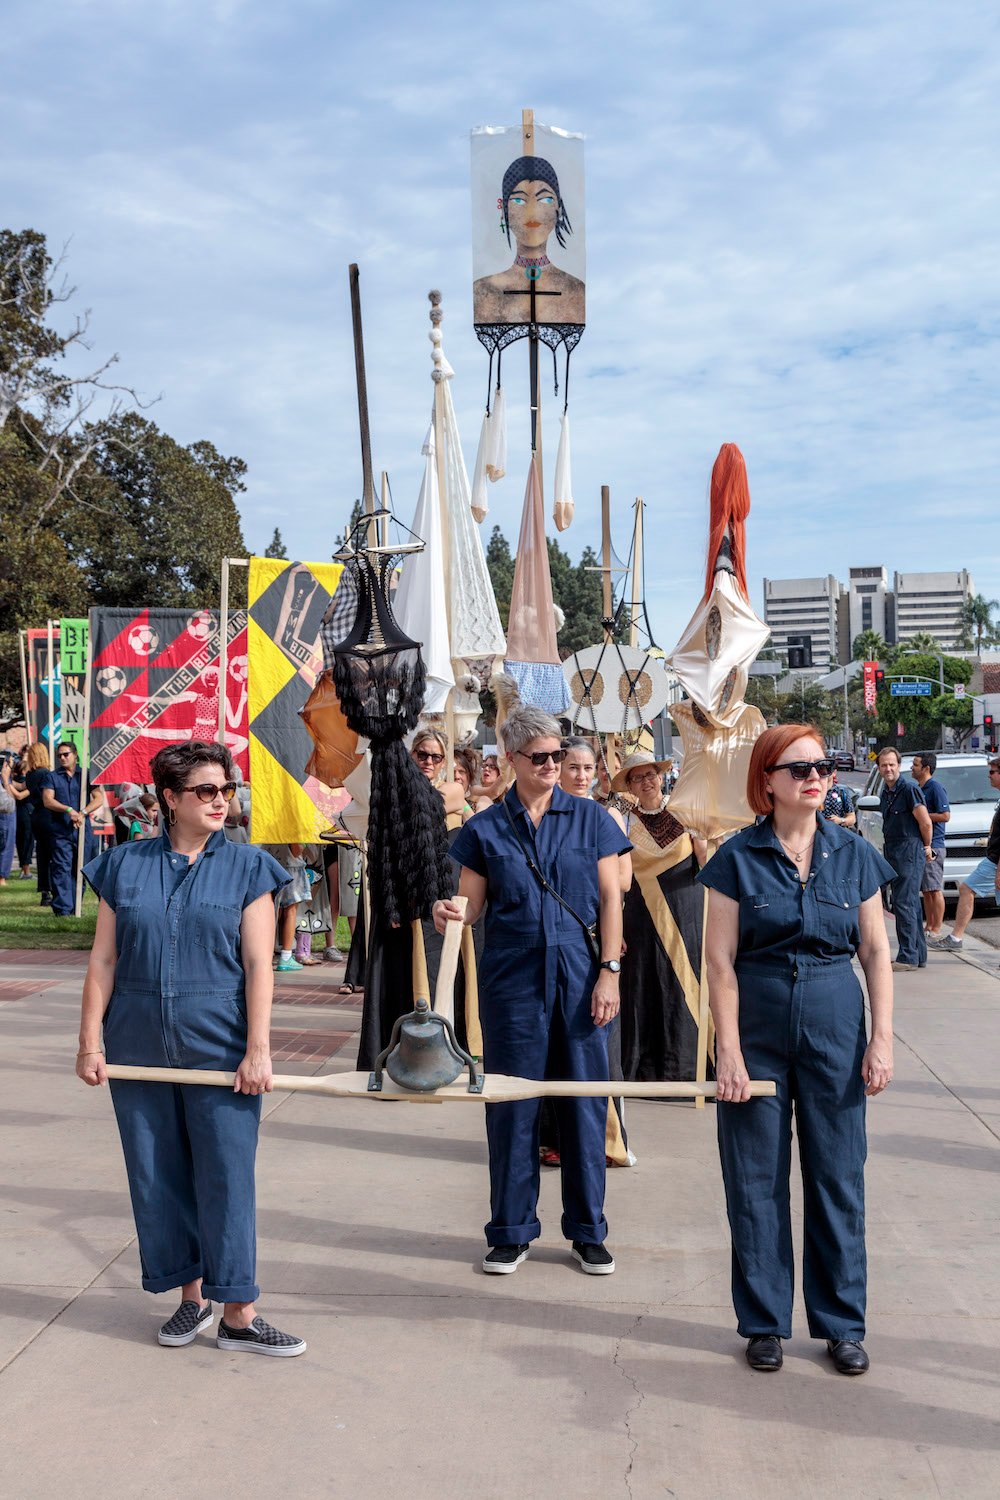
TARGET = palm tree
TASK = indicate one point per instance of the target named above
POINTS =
(869, 646)
(977, 623)
(922, 640)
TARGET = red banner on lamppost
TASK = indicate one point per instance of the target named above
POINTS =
(870, 693)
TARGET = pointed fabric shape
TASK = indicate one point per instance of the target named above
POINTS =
(479, 500)
(713, 655)
(496, 452)
(709, 797)
(563, 508)
(477, 636)
(532, 653)
(419, 606)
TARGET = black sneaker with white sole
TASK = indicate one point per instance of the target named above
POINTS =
(259, 1338)
(186, 1323)
(594, 1259)
(503, 1259)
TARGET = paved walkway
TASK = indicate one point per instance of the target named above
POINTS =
(426, 1379)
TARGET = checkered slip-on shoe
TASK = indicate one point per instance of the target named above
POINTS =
(186, 1323)
(259, 1338)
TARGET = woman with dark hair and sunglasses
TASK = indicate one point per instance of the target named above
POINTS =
(545, 998)
(791, 900)
(180, 977)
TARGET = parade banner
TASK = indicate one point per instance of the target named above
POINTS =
(287, 602)
(73, 684)
(870, 689)
(39, 686)
(155, 680)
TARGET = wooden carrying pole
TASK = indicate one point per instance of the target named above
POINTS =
(51, 696)
(498, 1088)
(607, 604)
(528, 149)
(441, 466)
(444, 990)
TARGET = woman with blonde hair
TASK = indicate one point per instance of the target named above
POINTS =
(38, 778)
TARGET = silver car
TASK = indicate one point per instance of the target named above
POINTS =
(973, 801)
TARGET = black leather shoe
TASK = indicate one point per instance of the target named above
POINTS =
(764, 1352)
(848, 1355)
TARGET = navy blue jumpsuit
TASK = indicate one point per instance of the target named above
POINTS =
(536, 982)
(802, 1023)
(179, 1001)
(904, 849)
(69, 792)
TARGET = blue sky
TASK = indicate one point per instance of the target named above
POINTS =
(792, 244)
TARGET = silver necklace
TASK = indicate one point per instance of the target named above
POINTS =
(797, 854)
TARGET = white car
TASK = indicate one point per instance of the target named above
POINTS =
(973, 801)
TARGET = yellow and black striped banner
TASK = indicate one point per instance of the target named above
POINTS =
(287, 602)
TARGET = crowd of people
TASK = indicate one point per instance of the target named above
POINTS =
(593, 922)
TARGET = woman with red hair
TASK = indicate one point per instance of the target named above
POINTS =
(791, 901)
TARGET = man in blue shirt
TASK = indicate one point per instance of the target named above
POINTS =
(64, 797)
(939, 811)
(906, 830)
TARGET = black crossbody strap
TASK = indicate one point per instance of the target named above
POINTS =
(533, 867)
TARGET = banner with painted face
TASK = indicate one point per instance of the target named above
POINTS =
(154, 680)
(527, 227)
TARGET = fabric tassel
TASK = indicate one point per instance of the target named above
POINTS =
(480, 504)
(563, 509)
(496, 451)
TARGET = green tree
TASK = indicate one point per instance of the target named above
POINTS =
(869, 646)
(275, 547)
(921, 640)
(500, 565)
(978, 627)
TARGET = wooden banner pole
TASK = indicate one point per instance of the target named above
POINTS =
(223, 648)
(51, 697)
(24, 686)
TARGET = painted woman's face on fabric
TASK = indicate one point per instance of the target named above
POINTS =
(532, 210)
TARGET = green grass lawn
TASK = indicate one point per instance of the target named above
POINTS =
(25, 924)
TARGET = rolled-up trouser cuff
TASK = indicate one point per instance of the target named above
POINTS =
(513, 1234)
(168, 1283)
(248, 1292)
(585, 1234)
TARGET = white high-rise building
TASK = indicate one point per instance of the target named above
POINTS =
(804, 607)
(869, 603)
(932, 602)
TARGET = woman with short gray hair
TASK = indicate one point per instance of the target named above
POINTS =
(547, 863)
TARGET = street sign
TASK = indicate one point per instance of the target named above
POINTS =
(911, 689)
(959, 689)
(975, 742)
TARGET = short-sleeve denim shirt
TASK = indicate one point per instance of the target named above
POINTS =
(570, 839)
(898, 822)
(177, 924)
(784, 924)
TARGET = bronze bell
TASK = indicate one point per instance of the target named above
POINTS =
(423, 1054)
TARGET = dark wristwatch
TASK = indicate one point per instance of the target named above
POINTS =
(612, 965)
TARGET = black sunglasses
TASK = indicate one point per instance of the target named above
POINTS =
(539, 757)
(429, 755)
(798, 770)
(207, 791)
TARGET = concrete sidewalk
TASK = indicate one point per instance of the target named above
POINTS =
(423, 1377)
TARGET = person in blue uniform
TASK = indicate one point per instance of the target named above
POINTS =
(37, 779)
(545, 999)
(180, 977)
(791, 900)
(69, 802)
(907, 841)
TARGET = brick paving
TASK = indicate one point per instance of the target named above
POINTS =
(289, 1045)
(20, 989)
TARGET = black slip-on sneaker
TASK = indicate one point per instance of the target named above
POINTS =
(186, 1323)
(596, 1260)
(503, 1259)
(259, 1338)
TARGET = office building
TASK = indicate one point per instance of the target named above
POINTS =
(931, 602)
(804, 607)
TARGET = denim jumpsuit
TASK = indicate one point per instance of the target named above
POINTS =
(536, 982)
(179, 1002)
(70, 792)
(802, 1023)
(904, 849)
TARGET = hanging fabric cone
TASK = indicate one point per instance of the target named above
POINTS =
(496, 452)
(480, 504)
(563, 507)
(532, 653)
(420, 604)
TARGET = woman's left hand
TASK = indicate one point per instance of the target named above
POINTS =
(876, 1066)
(254, 1074)
(605, 1001)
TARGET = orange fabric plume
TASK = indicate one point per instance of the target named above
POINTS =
(729, 506)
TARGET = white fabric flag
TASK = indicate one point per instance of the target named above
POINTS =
(420, 604)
